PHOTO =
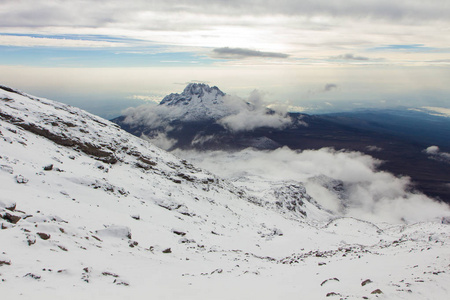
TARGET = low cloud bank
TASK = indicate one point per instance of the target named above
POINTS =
(253, 113)
(161, 140)
(347, 183)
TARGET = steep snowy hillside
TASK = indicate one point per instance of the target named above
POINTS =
(90, 211)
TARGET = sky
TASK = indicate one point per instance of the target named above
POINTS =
(313, 56)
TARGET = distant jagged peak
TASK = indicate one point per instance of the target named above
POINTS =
(201, 88)
(201, 92)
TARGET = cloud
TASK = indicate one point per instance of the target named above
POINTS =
(161, 140)
(241, 53)
(373, 148)
(250, 120)
(313, 29)
(251, 114)
(433, 150)
(76, 13)
(347, 183)
(200, 139)
(151, 116)
(350, 56)
(435, 153)
(30, 41)
(329, 86)
(439, 111)
(155, 99)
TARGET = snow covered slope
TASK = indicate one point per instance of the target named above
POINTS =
(88, 210)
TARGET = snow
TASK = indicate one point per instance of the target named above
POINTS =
(74, 231)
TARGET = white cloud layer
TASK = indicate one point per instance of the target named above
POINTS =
(367, 193)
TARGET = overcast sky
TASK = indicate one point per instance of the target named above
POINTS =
(309, 54)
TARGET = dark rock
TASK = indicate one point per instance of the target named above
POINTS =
(11, 218)
(43, 236)
(367, 281)
(332, 294)
(185, 177)
(5, 262)
(110, 274)
(85, 276)
(147, 161)
(184, 240)
(377, 291)
(178, 232)
(34, 276)
(168, 250)
(121, 282)
(330, 279)
(98, 239)
(31, 240)
(9, 206)
(48, 167)
(63, 140)
(132, 244)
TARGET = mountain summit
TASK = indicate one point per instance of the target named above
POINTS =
(194, 93)
(198, 102)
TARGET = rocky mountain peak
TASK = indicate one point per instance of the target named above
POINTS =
(192, 92)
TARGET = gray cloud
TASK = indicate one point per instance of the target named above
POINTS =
(350, 56)
(329, 86)
(240, 53)
(78, 13)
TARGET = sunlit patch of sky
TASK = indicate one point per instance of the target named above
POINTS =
(409, 48)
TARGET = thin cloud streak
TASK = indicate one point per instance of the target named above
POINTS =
(29, 41)
(350, 56)
(240, 53)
